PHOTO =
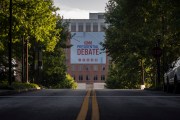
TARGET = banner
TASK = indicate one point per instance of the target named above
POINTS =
(86, 48)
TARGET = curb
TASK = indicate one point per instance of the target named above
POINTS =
(153, 89)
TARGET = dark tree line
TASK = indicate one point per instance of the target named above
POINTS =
(134, 27)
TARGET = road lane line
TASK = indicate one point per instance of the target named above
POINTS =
(95, 108)
(40, 96)
(84, 108)
(137, 96)
(83, 96)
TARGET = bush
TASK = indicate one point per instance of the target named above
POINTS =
(115, 83)
(67, 83)
(5, 85)
(18, 85)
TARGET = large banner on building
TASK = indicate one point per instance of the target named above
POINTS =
(86, 48)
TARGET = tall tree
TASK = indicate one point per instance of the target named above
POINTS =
(54, 72)
(132, 33)
(33, 21)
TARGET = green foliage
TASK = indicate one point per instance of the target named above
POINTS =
(4, 85)
(67, 83)
(121, 78)
(132, 33)
(54, 68)
(17, 85)
(35, 21)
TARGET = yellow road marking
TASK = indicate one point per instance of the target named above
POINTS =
(85, 105)
(95, 108)
(84, 108)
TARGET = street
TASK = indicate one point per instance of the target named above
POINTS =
(42, 105)
(90, 105)
(138, 105)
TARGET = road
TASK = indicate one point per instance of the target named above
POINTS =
(42, 105)
(138, 105)
(90, 105)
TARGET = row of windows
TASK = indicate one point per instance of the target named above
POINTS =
(81, 27)
(87, 77)
(87, 68)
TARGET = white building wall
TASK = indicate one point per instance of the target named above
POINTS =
(91, 72)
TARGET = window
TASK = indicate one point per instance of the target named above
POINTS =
(80, 68)
(100, 16)
(87, 77)
(102, 27)
(95, 77)
(95, 67)
(103, 67)
(102, 77)
(80, 77)
(87, 67)
(95, 27)
(88, 27)
(73, 68)
(80, 27)
(73, 27)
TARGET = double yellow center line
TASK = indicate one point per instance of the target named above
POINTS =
(95, 108)
(85, 106)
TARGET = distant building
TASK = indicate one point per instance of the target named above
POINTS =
(86, 61)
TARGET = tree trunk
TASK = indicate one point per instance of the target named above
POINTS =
(142, 72)
(22, 71)
(27, 66)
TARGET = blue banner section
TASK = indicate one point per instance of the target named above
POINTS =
(86, 48)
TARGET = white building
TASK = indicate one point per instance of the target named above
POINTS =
(86, 60)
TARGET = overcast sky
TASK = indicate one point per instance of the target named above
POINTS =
(79, 9)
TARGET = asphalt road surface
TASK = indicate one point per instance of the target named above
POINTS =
(90, 105)
(42, 105)
(138, 105)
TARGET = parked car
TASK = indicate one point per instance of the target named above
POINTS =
(172, 77)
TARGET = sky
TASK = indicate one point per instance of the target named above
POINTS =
(79, 9)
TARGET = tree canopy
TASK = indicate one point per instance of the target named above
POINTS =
(37, 23)
(134, 26)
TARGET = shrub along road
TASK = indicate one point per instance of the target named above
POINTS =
(90, 105)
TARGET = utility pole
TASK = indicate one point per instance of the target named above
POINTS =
(22, 74)
(27, 64)
(157, 52)
(158, 65)
(10, 43)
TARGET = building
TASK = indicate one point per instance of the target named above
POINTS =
(86, 61)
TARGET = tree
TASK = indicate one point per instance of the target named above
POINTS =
(34, 21)
(54, 72)
(132, 33)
